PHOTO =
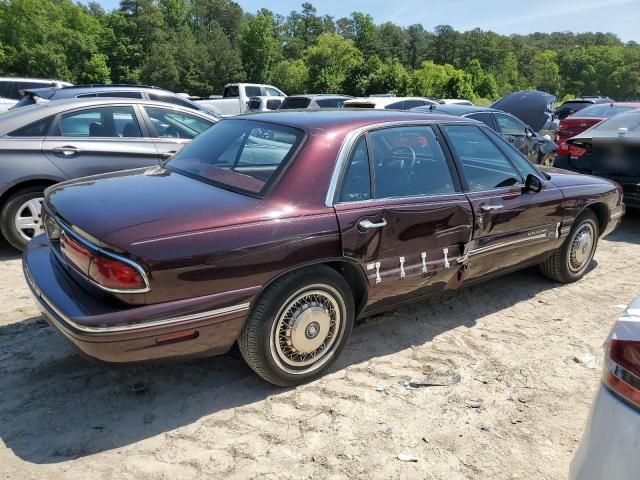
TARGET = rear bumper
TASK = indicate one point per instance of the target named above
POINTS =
(611, 441)
(107, 331)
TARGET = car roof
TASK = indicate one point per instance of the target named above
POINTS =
(343, 118)
(319, 95)
(19, 117)
(454, 109)
(383, 100)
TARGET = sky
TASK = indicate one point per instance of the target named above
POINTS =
(502, 16)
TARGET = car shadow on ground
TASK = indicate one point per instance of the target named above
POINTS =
(629, 231)
(56, 406)
(7, 252)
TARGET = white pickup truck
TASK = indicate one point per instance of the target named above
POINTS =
(235, 98)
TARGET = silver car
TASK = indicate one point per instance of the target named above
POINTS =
(48, 143)
(610, 446)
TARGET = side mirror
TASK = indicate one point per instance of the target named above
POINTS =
(532, 184)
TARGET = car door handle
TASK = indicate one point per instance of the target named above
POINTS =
(66, 150)
(491, 208)
(166, 155)
(368, 224)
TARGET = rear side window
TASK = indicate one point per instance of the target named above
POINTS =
(485, 166)
(273, 104)
(356, 185)
(100, 122)
(171, 99)
(408, 104)
(252, 91)
(6, 88)
(30, 85)
(37, 129)
(175, 124)
(241, 155)
(295, 102)
(120, 94)
(509, 125)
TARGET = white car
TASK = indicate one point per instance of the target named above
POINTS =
(389, 103)
(456, 101)
(610, 447)
(10, 88)
(236, 96)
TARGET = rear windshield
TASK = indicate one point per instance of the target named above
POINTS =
(601, 111)
(241, 155)
(629, 120)
(295, 102)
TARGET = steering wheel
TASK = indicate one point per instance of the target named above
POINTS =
(402, 151)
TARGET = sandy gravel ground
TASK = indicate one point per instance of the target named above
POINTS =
(518, 410)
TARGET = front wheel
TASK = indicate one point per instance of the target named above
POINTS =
(298, 326)
(571, 261)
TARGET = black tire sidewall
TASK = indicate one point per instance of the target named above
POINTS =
(281, 293)
(9, 211)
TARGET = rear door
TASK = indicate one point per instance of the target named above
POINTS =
(511, 227)
(93, 140)
(402, 214)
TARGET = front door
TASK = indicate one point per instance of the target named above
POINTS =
(511, 226)
(402, 214)
(97, 140)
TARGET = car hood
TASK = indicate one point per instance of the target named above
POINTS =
(533, 107)
(564, 178)
(121, 208)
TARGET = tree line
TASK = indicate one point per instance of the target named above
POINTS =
(197, 46)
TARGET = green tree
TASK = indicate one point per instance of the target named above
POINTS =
(259, 47)
(329, 62)
(291, 76)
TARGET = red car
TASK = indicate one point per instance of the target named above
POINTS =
(278, 230)
(586, 118)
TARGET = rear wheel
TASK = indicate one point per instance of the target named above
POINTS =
(298, 326)
(21, 216)
(571, 261)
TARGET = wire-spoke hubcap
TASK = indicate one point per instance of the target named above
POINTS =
(28, 220)
(307, 329)
(581, 248)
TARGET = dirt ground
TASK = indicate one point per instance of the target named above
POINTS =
(520, 345)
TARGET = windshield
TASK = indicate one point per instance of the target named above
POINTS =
(601, 111)
(242, 155)
(629, 120)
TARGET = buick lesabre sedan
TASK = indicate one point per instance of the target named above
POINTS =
(278, 230)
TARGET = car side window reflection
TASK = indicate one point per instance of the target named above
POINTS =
(100, 122)
(485, 166)
(357, 180)
(509, 125)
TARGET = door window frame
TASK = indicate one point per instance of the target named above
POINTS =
(54, 131)
(349, 144)
(501, 149)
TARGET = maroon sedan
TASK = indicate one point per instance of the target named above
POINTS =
(277, 230)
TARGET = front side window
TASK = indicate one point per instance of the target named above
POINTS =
(175, 124)
(272, 92)
(242, 155)
(170, 99)
(485, 166)
(483, 117)
(521, 163)
(100, 122)
(252, 91)
(409, 104)
(395, 106)
(509, 125)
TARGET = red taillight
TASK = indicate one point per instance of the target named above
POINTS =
(114, 274)
(576, 151)
(76, 254)
(622, 369)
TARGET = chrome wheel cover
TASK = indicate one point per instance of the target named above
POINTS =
(307, 329)
(582, 247)
(28, 219)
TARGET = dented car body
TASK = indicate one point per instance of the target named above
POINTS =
(278, 230)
